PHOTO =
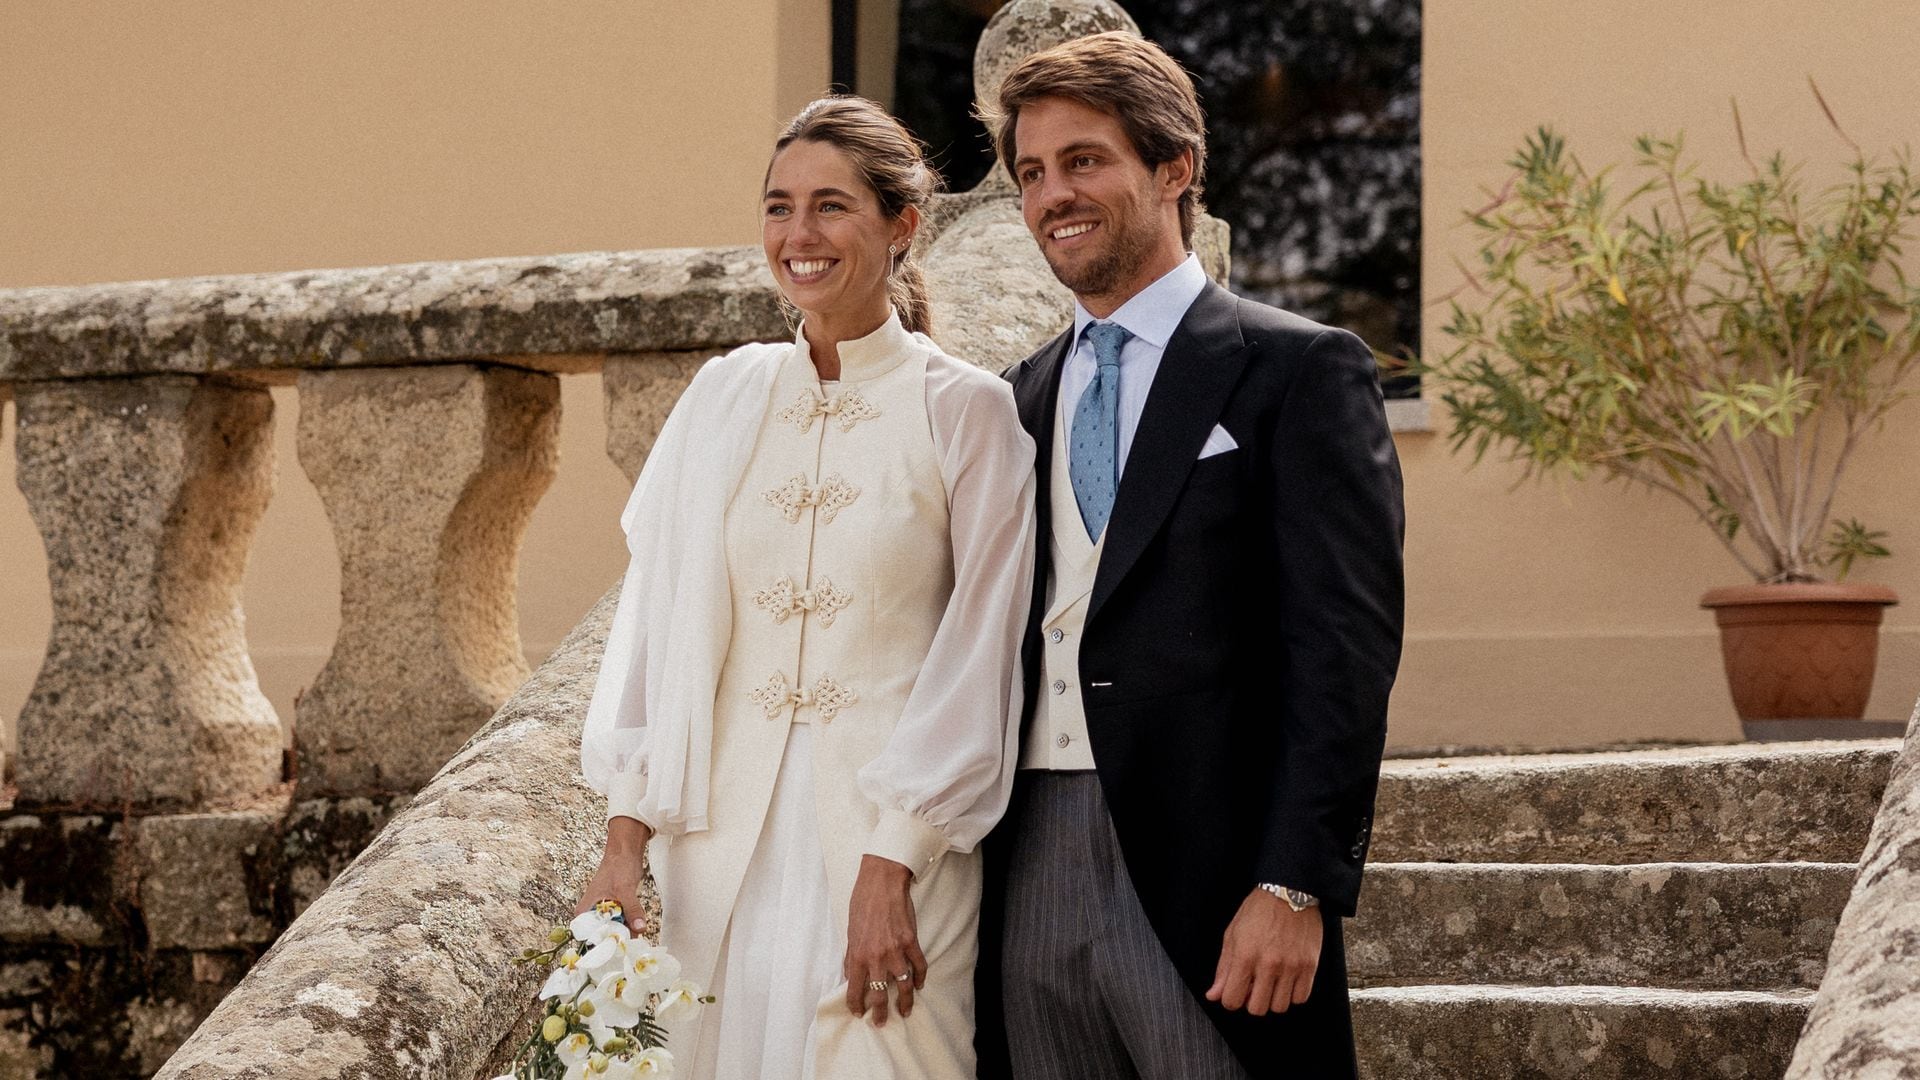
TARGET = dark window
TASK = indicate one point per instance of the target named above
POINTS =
(846, 45)
(1313, 108)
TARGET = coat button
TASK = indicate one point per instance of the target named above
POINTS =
(1059, 686)
(1056, 636)
(1061, 741)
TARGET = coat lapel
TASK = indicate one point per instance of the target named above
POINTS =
(1198, 372)
(1036, 393)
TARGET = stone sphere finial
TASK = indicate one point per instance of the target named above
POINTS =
(1025, 27)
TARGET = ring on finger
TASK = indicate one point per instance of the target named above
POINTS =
(878, 986)
(905, 976)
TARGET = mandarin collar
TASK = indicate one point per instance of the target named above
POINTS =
(866, 357)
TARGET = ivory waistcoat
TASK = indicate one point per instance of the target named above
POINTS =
(1058, 737)
(840, 567)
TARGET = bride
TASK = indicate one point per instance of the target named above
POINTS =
(809, 701)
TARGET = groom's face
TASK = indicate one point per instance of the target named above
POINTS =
(1095, 208)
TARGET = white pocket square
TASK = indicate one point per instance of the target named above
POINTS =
(1218, 442)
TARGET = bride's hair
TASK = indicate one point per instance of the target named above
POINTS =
(893, 164)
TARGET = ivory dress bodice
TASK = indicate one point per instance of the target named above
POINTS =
(840, 569)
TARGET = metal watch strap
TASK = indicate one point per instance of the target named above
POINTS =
(1294, 898)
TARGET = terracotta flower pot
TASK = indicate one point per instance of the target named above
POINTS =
(1799, 652)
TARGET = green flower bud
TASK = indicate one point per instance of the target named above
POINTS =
(586, 1008)
(598, 1063)
(615, 1045)
(559, 935)
(554, 1028)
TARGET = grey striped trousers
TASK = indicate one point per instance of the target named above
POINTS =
(1090, 992)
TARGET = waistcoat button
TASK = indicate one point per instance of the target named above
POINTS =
(1059, 686)
(1062, 742)
(1057, 636)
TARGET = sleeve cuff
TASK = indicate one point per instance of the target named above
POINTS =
(908, 841)
(624, 793)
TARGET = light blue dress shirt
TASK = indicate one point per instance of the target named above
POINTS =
(1151, 316)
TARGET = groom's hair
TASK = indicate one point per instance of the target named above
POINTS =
(1130, 79)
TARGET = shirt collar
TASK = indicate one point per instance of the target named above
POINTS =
(1153, 313)
(865, 357)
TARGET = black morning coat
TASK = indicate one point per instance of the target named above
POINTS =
(1241, 639)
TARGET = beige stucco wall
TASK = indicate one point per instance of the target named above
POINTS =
(186, 138)
(221, 136)
(1568, 616)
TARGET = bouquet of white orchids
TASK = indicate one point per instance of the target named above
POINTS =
(609, 1002)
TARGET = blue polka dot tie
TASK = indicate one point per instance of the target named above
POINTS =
(1093, 456)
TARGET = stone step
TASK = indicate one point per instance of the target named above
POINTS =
(1747, 803)
(1702, 925)
(1589, 1032)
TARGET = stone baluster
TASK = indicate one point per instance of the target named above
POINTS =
(429, 475)
(146, 492)
(640, 389)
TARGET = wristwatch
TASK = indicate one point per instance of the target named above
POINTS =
(1295, 899)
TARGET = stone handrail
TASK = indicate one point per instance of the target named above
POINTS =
(553, 313)
(1866, 1018)
(403, 968)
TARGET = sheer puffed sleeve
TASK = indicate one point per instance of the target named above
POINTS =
(946, 773)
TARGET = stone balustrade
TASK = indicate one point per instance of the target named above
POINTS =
(429, 419)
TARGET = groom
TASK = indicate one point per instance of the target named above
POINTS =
(1214, 630)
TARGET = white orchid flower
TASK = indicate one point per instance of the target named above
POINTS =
(575, 1049)
(593, 926)
(677, 1003)
(618, 1000)
(567, 978)
(611, 956)
(655, 969)
(654, 1061)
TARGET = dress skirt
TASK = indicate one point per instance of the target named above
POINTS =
(781, 954)
(781, 1011)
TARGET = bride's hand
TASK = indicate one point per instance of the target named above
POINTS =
(621, 867)
(883, 942)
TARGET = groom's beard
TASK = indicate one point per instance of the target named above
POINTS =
(1126, 248)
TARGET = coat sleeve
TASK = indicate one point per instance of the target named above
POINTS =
(1337, 526)
(946, 773)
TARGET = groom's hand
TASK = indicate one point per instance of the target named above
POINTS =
(1269, 956)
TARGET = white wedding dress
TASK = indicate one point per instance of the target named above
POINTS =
(877, 560)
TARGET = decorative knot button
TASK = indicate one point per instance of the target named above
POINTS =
(782, 601)
(832, 496)
(847, 408)
(826, 696)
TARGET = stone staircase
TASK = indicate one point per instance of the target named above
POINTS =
(1625, 914)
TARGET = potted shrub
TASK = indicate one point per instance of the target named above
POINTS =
(1730, 344)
